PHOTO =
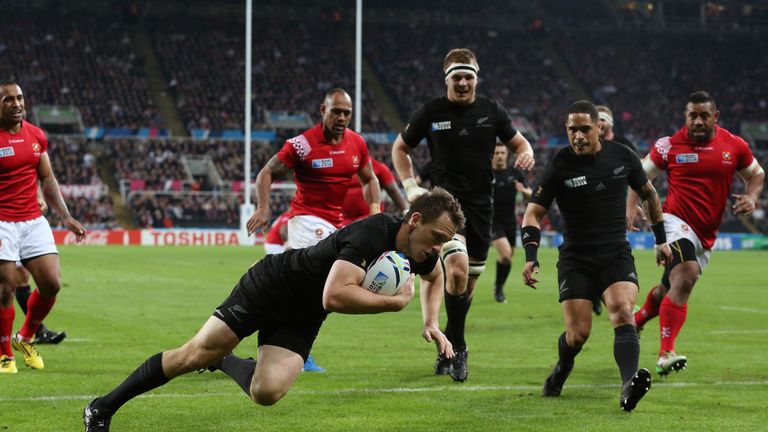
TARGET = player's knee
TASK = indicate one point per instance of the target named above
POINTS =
(267, 395)
(49, 287)
(621, 313)
(505, 259)
(578, 337)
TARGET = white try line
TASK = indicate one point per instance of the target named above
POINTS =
(723, 332)
(369, 391)
(743, 309)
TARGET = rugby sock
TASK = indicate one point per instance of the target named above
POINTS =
(566, 353)
(649, 310)
(239, 369)
(671, 319)
(502, 271)
(38, 308)
(22, 297)
(145, 378)
(6, 327)
(626, 350)
(456, 308)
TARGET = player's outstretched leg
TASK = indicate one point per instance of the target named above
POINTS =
(634, 389)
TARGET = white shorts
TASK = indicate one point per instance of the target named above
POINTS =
(273, 248)
(24, 240)
(677, 229)
(305, 231)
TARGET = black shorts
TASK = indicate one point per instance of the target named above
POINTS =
(477, 229)
(585, 272)
(245, 312)
(682, 250)
(504, 229)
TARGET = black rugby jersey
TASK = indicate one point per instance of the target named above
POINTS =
(461, 141)
(291, 283)
(591, 192)
(505, 194)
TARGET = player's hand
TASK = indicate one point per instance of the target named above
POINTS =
(432, 333)
(663, 254)
(529, 270)
(744, 204)
(73, 225)
(525, 161)
(258, 221)
(412, 189)
(405, 295)
(42, 204)
(635, 218)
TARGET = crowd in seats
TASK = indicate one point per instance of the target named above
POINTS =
(73, 59)
(296, 59)
(168, 210)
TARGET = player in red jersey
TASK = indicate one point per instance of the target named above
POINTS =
(355, 207)
(700, 160)
(274, 241)
(25, 234)
(323, 160)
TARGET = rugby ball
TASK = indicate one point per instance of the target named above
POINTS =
(387, 274)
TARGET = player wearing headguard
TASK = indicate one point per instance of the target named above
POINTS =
(700, 160)
(461, 130)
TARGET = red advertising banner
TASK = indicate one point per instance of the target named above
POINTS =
(162, 237)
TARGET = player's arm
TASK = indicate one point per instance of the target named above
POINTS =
(52, 194)
(371, 188)
(754, 177)
(431, 294)
(652, 206)
(342, 292)
(401, 159)
(524, 190)
(530, 235)
(633, 208)
(260, 218)
(521, 148)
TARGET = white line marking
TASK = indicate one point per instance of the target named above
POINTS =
(353, 391)
(743, 309)
(739, 331)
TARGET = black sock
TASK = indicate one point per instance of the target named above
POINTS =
(145, 378)
(502, 271)
(22, 295)
(239, 369)
(626, 350)
(456, 308)
(566, 353)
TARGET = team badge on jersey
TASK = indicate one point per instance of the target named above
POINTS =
(726, 155)
(684, 158)
(443, 125)
(6, 152)
(355, 160)
(322, 163)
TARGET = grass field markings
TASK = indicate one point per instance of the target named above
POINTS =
(440, 389)
(743, 309)
(740, 331)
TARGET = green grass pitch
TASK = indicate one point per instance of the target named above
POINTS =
(121, 305)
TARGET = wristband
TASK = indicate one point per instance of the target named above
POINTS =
(659, 233)
(530, 237)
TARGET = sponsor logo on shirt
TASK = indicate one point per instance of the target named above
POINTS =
(6, 152)
(619, 172)
(463, 132)
(443, 125)
(576, 182)
(322, 163)
(335, 152)
(684, 158)
(16, 141)
(600, 186)
(482, 122)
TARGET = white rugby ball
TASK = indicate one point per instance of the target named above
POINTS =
(387, 274)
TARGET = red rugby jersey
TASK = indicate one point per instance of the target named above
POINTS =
(700, 176)
(19, 156)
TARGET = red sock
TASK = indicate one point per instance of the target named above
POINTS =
(7, 314)
(37, 309)
(649, 310)
(671, 319)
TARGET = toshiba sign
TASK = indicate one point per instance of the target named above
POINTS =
(162, 237)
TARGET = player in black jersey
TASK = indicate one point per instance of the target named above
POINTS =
(589, 180)
(286, 297)
(461, 129)
(508, 182)
(605, 122)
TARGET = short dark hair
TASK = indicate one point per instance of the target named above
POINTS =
(700, 96)
(434, 203)
(460, 55)
(9, 82)
(333, 91)
(584, 107)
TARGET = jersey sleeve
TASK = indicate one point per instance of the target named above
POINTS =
(544, 192)
(744, 156)
(43, 142)
(382, 172)
(504, 129)
(659, 152)
(293, 150)
(637, 176)
(416, 128)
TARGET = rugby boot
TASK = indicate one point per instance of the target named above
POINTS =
(311, 366)
(31, 356)
(669, 361)
(553, 385)
(7, 365)
(459, 370)
(634, 389)
(498, 294)
(44, 335)
(95, 420)
(442, 365)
